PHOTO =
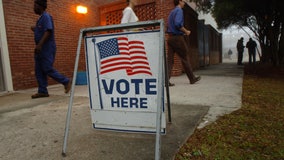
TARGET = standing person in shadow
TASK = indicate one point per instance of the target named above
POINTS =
(240, 48)
(176, 42)
(45, 50)
(251, 46)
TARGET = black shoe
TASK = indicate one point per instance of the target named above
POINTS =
(195, 80)
(67, 86)
(171, 84)
(39, 95)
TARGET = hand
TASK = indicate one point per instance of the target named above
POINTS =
(37, 49)
(187, 32)
(33, 28)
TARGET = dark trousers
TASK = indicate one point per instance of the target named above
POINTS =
(43, 68)
(251, 57)
(240, 58)
(177, 44)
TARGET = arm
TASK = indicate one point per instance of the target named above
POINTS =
(42, 41)
(47, 24)
(185, 31)
(179, 23)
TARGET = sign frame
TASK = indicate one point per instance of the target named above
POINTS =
(143, 24)
(126, 101)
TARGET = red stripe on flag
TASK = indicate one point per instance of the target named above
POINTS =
(136, 63)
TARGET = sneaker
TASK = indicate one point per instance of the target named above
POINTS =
(195, 80)
(39, 95)
(67, 86)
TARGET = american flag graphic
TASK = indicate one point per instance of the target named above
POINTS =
(121, 54)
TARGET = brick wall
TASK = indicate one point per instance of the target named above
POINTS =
(215, 46)
(163, 10)
(111, 14)
(19, 17)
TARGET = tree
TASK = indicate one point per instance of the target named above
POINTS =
(265, 18)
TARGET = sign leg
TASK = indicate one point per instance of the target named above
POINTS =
(71, 97)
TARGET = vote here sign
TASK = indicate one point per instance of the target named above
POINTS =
(123, 75)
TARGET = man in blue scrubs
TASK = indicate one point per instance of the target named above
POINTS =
(45, 50)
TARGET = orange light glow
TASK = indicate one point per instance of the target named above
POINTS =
(82, 9)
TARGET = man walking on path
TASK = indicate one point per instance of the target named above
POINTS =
(176, 41)
(251, 45)
(44, 52)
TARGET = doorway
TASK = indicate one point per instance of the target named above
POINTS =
(2, 84)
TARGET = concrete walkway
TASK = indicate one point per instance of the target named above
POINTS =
(33, 129)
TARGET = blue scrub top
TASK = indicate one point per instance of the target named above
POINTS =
(175, 21)
(43, 24)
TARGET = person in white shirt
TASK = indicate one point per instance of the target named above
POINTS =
(128, 13)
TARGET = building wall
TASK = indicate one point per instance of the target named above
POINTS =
(215, 45)
(191, 23)
(209, 45)
(19, 17)
(164, 8)
(145, 10)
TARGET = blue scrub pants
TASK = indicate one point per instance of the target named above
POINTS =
(44, 67)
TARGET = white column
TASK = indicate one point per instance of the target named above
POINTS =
(4, 52)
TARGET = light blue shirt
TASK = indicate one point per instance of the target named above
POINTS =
(175, 21)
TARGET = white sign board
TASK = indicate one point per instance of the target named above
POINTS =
(123, 81)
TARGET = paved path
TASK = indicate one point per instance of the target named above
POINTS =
(220, 89)
(34, 129)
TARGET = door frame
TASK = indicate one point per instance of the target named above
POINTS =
(5, 64)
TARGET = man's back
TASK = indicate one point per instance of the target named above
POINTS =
(251, 45)
(240, 46)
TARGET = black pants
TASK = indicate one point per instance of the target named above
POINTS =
(251, 57)
(240, 58)
(177, 44)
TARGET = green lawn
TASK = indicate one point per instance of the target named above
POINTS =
(254, 132)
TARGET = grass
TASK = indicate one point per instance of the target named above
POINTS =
(254, 132)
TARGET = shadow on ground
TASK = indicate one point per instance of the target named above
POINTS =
(34, 129)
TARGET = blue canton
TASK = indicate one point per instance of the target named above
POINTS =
(108, 48)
